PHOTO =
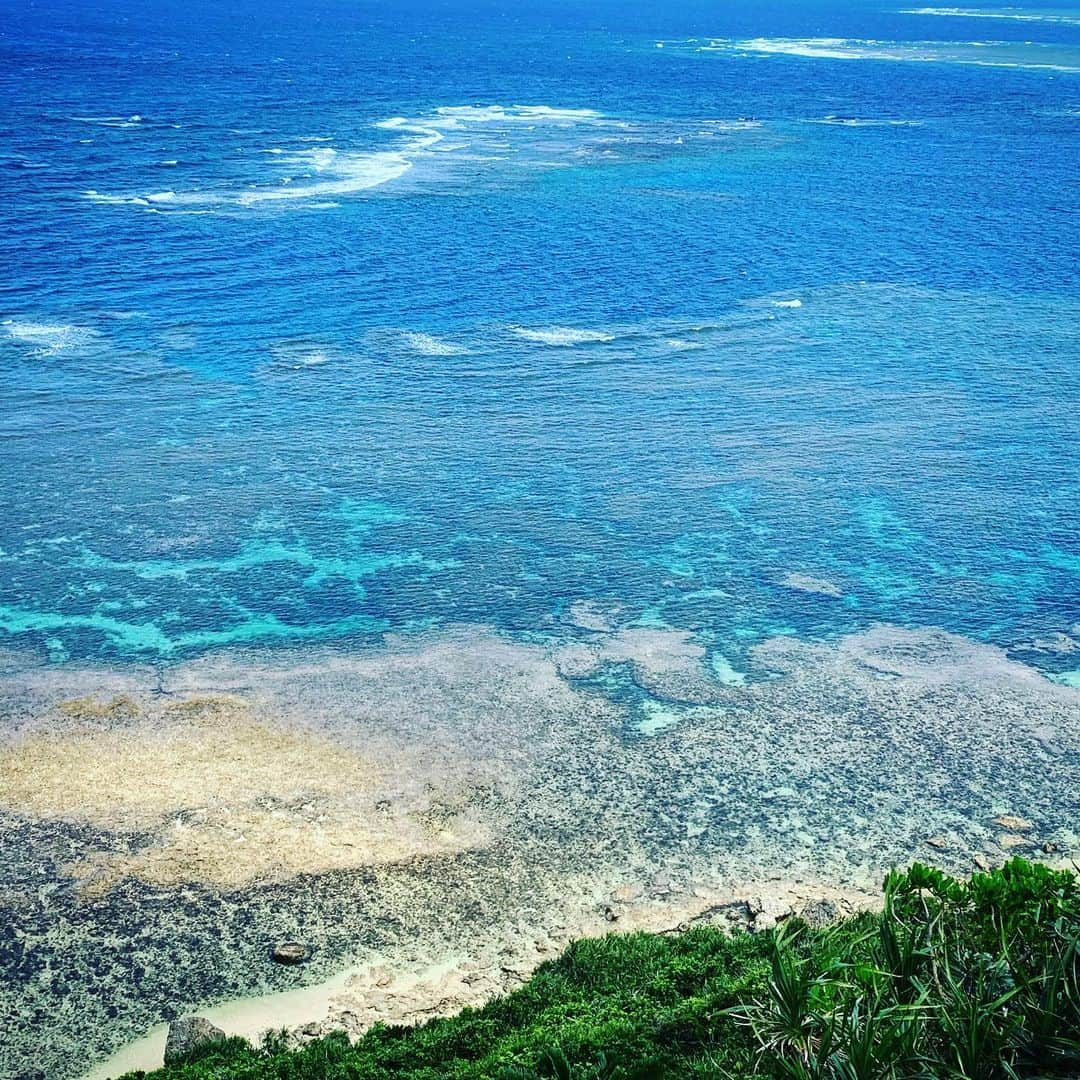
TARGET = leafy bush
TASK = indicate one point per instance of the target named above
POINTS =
(977, 980)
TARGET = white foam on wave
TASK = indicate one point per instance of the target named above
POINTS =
(998, 54)
(330, 173)
(47, 339)
(445, 140)
(324, 173)
(794, 303)
(858, 121)
(561, 336)
(110, 121)
(733, 125)
(429, 345)
(682, 345)
(1066, 18)
(151, 198)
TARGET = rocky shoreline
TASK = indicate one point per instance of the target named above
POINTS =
(429, 985)
(433, 810)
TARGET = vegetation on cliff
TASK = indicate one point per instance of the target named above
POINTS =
(974, 979)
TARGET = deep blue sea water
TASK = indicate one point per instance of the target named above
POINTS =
(329, 318)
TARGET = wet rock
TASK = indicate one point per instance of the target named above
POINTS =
(769, 907)
(662, 885)
(820, 913)
(1013, 823)
(289, 952)
(516, 970)
(1013, 842)
(187, 1034)
(1050, 847)
(939, 842)
(981, 862)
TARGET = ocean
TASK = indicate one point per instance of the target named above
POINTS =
(664, 363)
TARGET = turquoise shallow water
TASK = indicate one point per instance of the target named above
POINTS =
(319, 323)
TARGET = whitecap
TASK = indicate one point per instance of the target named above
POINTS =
(530, 136)
(561, 335)
(733, 125)
(110, 121)
(1002, 54)
(858, 121)
(430, 345)
(487, 114)
(301, 354)
(1017, 14)
(347, 175)
(47, 339)
(795, 303)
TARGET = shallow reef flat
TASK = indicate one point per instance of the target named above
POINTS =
(438, 800)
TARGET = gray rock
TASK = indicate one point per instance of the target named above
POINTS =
(289, 952)
(776, 907)
(820, 913)
(1013, 823)
(187, 1034)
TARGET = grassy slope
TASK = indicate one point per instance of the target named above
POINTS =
(953, 979)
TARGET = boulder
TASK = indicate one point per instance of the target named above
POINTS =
(187, 1034)
(819, 913)
(773, 906)
(1013, 841)
(289, 952)
(1013, 823)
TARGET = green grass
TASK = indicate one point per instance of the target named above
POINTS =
(978, 979)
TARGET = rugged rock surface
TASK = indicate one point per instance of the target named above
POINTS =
(187, 1034)
(444, 803)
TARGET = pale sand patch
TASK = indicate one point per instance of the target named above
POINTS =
(228, 798)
